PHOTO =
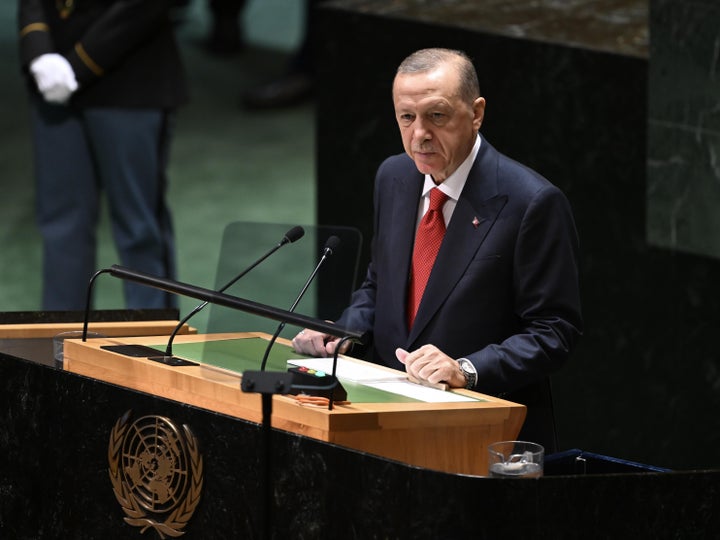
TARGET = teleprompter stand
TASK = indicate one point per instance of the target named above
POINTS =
(267, 384)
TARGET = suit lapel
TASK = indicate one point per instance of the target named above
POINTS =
(477, 209)
(406, 195)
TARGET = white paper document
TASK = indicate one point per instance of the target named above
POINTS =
(376, 377)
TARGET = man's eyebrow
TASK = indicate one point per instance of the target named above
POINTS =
(404, 107)
(437, 104)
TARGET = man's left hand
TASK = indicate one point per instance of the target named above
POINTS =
(429, 364)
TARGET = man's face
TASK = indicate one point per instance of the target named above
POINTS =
(438, 129)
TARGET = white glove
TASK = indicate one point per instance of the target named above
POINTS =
(54, 77)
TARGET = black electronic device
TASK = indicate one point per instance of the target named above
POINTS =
(316, 383)
(143, 351)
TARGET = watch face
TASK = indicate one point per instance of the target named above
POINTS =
(470, 376)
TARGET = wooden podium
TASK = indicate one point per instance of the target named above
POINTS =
(380, 475)
(107, 328)
(448, 437)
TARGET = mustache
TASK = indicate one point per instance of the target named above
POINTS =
(423, 148)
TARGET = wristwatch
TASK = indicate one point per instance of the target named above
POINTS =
(469, 371)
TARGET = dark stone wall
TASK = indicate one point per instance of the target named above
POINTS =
(55, 432)
(645, 378)
(684, 127)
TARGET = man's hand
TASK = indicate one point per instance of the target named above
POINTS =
(429, 364)
(316, 343)
(54, 77)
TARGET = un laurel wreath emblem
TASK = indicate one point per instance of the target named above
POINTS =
(156, 472)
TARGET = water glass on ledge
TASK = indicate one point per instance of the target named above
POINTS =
(515, 459)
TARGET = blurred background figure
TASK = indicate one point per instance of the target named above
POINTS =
(104, 79)
(296, 84)
(225, 36)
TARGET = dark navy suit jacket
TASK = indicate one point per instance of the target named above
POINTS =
(504, 290)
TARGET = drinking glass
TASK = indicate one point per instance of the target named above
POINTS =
(515, 459)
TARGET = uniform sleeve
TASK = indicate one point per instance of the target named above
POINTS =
(123, 27)
(34, 32)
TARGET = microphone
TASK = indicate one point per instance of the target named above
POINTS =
(292, 235)
(234, 302)
(330, 245)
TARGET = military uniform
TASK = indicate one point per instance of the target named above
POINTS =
(123, 53)
(111, 137)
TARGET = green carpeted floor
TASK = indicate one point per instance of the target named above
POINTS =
(227, 164)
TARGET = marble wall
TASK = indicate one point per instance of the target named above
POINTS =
(684, 127)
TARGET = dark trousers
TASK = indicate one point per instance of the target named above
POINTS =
(78, 156)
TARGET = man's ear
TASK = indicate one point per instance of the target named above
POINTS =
(478, 112)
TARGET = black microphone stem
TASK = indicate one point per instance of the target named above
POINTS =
(168, 349)
(291, 236)
(88, 301)
(331, 243)
(342, 341)
(309, 281)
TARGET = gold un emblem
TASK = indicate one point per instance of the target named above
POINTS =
(156, 472)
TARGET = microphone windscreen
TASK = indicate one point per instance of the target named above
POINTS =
(296, 233)
(332, 243)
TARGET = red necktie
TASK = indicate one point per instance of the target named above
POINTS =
(428, 238)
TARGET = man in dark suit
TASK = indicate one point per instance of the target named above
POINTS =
(500, 310)
(104, 78)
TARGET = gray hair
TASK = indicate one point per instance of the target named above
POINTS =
(429, 59)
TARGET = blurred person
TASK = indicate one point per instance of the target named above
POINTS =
(225, 36)
(296, 83)
(104, 77)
